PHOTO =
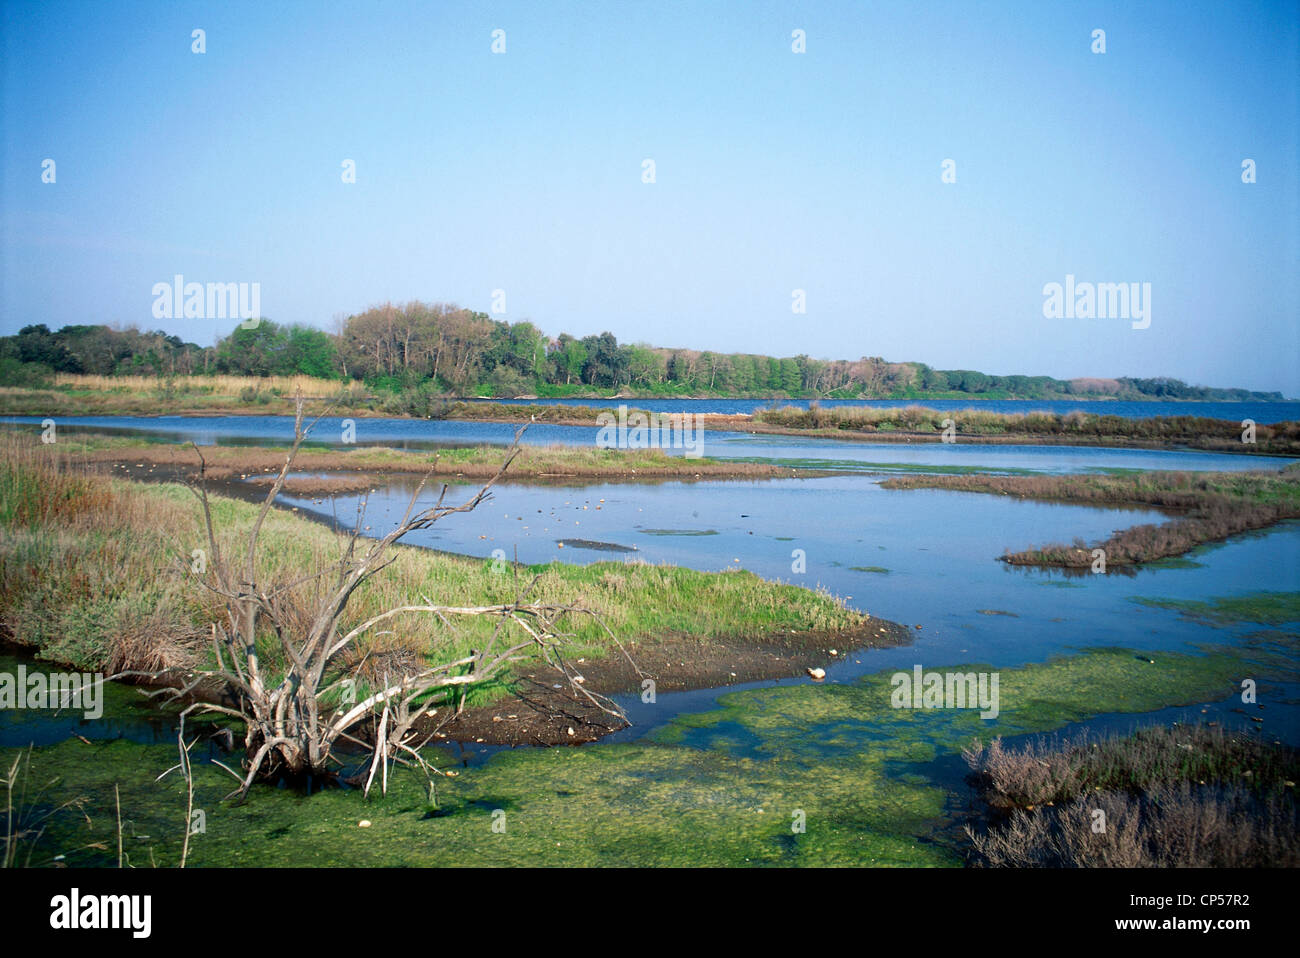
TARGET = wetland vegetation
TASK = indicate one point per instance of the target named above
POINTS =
(1206, 507)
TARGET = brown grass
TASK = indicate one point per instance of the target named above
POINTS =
(1186, 826)
(216, 385)
(1208, 507)
(1171, 797)
(1075, 427)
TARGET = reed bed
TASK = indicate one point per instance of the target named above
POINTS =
(215, 385)
(1075, 425)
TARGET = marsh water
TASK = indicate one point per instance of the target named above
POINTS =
(924, 558)
(794, 451)
(1260, 412)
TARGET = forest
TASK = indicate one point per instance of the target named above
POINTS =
(462, 352)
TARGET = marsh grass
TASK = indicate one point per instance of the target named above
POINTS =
(95, 573)
(1043, 772)
(72, 394)
(1077, 425)
(218, 385)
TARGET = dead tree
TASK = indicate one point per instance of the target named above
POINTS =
(278, 658)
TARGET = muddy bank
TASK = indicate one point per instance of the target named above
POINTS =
(545, 711)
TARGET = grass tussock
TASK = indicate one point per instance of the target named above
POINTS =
(1208, 507)
(1162, 797)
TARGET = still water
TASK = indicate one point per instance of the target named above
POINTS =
(789, 450)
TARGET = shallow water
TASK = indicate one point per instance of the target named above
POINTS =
(933, 556)
(789, 450)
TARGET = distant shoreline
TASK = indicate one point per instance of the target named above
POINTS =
(909, 422)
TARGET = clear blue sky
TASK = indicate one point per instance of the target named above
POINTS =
(775, 171)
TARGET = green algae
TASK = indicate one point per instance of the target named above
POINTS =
(1265, 608)
(814, 721)
(731, 786)
(608, 805)
(679, 532)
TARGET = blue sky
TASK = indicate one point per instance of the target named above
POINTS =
(775, 171)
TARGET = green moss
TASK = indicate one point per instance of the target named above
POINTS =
(624, 805)
(1266, 608)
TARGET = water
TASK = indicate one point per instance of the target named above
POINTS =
(1260, 412)
(789, 450)
(936, 551)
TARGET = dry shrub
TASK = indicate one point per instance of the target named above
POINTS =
(1184, 826)
(1182, 796)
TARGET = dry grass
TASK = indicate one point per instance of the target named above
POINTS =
(214, 385)
(1186, 826)
(1044, 772)
(1171, 797)
(1077, 426)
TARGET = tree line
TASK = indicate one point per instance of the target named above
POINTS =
(462, 352)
